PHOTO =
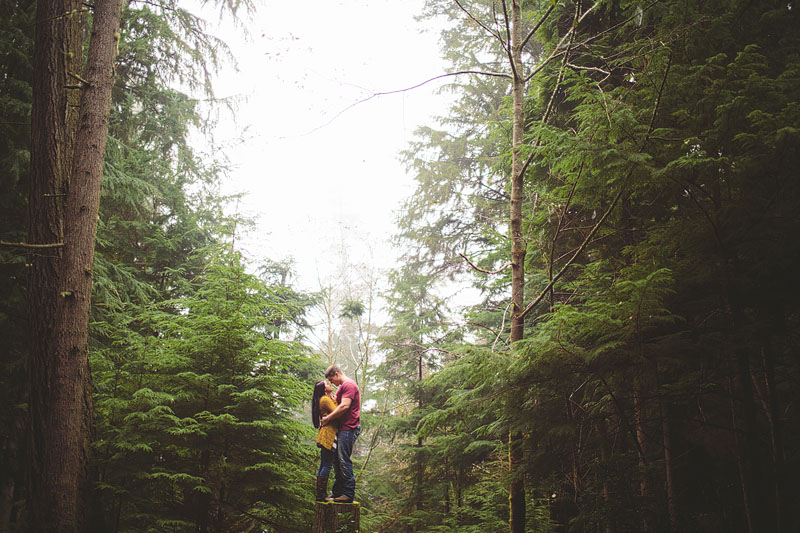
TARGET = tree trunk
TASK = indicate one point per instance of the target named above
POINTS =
(60, 283)
(641, 439)
(518, 248)
(604, 454)
(55, 463)
(334, 517)
(770, 404)
(668, 469)
(6, 502)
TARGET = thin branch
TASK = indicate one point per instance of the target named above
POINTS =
(421, 348)
(579, 67)
(536, 28)
(32, 246)
(396, 91)
(621, 23)
(373, 443)
(482, 25)
(479, 269)
(560, 226)
(554, 54)
(508, 48)
(658, 99)
(83, 82)
(484, 326)
(502, 326)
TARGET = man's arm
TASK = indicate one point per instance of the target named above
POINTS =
(341, 409)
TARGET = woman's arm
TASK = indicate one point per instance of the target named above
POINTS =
(326, 405)
(339, 411)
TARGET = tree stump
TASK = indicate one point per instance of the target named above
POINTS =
(330, 517)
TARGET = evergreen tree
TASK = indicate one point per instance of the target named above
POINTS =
(196, 411)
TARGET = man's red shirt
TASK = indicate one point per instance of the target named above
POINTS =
(349, 389)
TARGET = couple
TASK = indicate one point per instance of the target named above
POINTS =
(339, 425)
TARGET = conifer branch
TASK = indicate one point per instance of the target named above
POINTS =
(558, 228)
(610, 208)
(571, 34)
(281, 527)
(549, 109)
(580, 248)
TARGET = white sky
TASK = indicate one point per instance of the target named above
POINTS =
(313, 185)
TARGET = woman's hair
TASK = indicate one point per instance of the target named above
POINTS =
(319, 392)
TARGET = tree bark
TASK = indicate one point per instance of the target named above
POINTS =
(641, 439)
(60, 282)
(518, 249)
(604, 454)
(668, 468)
(334, 517)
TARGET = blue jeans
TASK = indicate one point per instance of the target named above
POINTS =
(345, 482)
(326, 460)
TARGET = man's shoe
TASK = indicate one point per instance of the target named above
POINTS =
(342, 499)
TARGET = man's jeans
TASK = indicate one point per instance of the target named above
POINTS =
(345, 482)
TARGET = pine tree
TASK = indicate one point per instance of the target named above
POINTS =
(197, 427)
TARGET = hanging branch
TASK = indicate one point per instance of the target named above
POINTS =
(396, 91)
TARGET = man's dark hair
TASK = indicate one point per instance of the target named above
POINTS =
(333, 369)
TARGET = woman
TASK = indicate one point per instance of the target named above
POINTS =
(322, 404)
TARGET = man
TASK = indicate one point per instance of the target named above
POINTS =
(347, 412)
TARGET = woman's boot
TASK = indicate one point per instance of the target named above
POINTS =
(322, 488)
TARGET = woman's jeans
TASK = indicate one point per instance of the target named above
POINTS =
(345, 482)
(326, 460)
